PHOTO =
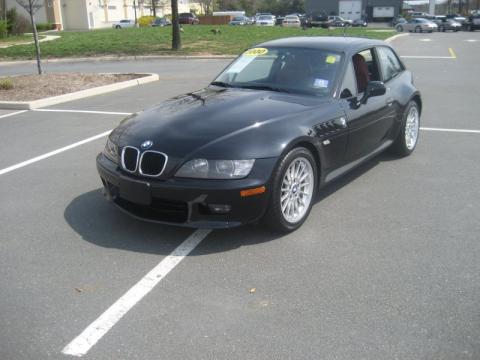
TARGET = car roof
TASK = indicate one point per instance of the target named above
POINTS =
(333, 43)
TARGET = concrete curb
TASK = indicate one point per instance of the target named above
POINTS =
(29, 105)
(391, 38)
(121, 58)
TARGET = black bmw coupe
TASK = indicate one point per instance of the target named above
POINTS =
(280, 122)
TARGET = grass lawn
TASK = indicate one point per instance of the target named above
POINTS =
(196, 40)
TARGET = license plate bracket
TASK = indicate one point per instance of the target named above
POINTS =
(135, 191)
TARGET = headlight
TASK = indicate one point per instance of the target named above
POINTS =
(215, 169)
(111, 151)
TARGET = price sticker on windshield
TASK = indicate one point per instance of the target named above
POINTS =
(256, 52)
(331, 59)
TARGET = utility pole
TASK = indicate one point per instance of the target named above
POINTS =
(135, 11)
(176, 40)
(432, 7)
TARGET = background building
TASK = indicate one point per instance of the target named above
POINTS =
(95, 14)
(373, 10)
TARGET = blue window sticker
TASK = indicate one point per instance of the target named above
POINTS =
(320, 83)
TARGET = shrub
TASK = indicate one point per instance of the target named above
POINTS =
(3, 28)
(6, 84)
(145, 20)
(45, 26)
(11, 19)
(17, 24)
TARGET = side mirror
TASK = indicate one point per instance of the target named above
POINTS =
(374, 88)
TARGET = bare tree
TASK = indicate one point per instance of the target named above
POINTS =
(176, 40)
(32, 6)
(206, 5)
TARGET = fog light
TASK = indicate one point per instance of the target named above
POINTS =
(219, 208)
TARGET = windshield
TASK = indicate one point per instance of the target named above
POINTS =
(265, 17)
(295, 70)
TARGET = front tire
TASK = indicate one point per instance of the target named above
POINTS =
(294, 185)
(407, 138)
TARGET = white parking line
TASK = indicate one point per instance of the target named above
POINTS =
(451, 130)
(426, 57)
(84, 111)
(13, 113)
(97, 329)
(52, 153)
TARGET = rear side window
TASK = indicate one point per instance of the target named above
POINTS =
(389, 63)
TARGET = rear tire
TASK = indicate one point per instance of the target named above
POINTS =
(407, 138)
(294, 187)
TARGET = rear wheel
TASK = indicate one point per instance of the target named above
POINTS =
(294, 184)
(407, 138)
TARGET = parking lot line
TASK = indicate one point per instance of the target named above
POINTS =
(451, 130)
(452, 53)
(426, 57)
(13, 113)
(52, 153)
(97, 329)
(84, 111)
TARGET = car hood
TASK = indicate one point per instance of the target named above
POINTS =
(184, 124)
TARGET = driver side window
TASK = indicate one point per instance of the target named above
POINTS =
(349, 85)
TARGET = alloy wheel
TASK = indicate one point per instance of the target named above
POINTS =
(297, 190)
(411, 128)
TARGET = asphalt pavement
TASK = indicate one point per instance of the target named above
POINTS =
(385, 267)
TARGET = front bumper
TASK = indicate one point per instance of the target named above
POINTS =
(185, 202)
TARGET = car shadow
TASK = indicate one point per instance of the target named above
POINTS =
(99, 223)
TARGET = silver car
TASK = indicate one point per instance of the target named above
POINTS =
(123, 24)
(417, 25)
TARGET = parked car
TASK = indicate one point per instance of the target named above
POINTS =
(123, 24)
(239, 20)
(160, 22)
(461, 19)
(419, 14)
(445, 24)
(265, 20)
(291, 21)
(338, 21)
(188, 18)
(360, 22)
(257, 15)
(202, 160)
(318, 20)
(398, 20)
(473, 22)
(279, 20)
(417, 25)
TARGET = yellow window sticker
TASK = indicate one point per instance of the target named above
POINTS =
(331, 59)
(255, 52)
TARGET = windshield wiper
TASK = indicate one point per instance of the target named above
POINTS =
(265, 87)
(221, 83)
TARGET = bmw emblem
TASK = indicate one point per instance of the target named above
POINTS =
(147, 144)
